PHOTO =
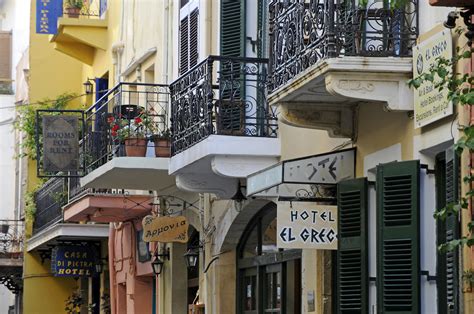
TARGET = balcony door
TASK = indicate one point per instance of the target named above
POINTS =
(269, 279)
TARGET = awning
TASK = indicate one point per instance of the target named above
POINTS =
(302, 176)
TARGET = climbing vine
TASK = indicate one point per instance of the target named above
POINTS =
(443, 75)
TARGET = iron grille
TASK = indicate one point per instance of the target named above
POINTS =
(49, 200)
(304, 32)
(221, 95)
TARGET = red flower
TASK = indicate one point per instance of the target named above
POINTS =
(110, 119)
(115, 128)
(114, 133)
(138, 120)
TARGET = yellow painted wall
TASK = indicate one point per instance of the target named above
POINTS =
(51, 74)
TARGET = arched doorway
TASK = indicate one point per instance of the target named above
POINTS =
(269, 279)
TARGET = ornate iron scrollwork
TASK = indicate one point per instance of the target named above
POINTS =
(302, 33)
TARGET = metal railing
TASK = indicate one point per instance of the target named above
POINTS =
(221, 95)
(89, 9)
(112, 120)
(303, 32)
(49, 200)
(11, 238)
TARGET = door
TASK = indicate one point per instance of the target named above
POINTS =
(272, 289)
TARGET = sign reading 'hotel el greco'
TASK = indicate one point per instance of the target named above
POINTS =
(60, 143)
(430, 103)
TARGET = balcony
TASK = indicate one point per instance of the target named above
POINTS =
(222, 126)
(82, 30)
(125, 130)
(11, 254)
(49, 227)
(328, 56)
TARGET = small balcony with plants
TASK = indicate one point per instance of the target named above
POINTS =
(222, 127)
(44, 206)
(82, 29)
(126, 144)
(328, 56)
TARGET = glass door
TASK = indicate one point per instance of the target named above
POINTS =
(250, 287)
(273, 289)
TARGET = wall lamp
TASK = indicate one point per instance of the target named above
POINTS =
(467, 18)
(191, 257)
(157, 263)
(88, 86)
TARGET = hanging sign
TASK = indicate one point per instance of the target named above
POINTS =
(73, 261)
(327, 168)
(165, 229)
(305, 225)
(60, 143)
(430, 103)
(47, 14)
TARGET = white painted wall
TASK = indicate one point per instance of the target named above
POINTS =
(14, 16)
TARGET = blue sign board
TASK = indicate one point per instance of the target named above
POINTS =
(47, 13)
(74, 261)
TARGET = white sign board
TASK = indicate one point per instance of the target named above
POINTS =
(322, 169)
(328, 168)
(305, 225)
(430, 103)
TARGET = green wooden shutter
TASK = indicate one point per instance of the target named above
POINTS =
(398, 230)
(233, 28)
(452, 232)
(352, 255)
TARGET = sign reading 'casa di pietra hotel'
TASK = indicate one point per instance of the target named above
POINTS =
(430, 103)
(60, 143)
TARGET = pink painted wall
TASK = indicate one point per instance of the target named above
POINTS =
(131, 282)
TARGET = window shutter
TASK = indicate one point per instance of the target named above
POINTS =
(5, 55)
(352, 255)
(193, 38)
(398, 229)
(233, 28)
(183, 46)
(451, 261)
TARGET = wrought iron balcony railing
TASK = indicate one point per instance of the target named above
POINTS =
(129, 115)
(303, 32)
(11, 238)
(224, 96)
(89, 9)
(49, 200)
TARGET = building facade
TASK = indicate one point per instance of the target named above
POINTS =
(265, 108)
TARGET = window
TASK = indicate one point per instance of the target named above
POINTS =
(188, 36)
(5, 62)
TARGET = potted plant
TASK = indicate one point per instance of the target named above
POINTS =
(162, 143)
(73, 7)
(74, 303)
(133, 133)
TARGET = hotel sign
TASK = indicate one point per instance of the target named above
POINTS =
(73, 261)
(430, 103)
(322, 169)
(60, 143)
(305, 225)
(165, 229)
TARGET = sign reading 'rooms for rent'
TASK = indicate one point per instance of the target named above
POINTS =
(303, 225)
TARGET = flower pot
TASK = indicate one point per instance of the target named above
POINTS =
(135, 147)
(451, 3)
(73, 12)
(162, 148)
(4, 228)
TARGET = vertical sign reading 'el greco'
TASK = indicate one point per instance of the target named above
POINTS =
(47, 13)
(60, 143)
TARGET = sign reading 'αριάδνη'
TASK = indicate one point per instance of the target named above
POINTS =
(165, 229)
(60, 143)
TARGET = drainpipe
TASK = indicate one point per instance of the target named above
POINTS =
(117, 50)
(112, 274)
